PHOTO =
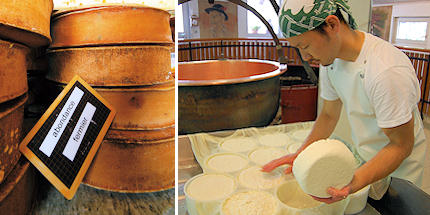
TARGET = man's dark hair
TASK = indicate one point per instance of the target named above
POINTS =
(320, 28)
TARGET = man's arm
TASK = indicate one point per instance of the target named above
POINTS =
(325, 123)
(323, 127)
(389, 158)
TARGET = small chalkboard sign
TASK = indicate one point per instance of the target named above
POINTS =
(64, 141)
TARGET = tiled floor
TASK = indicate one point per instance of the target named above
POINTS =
(426, 179)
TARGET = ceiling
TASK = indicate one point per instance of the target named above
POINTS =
(393, 1)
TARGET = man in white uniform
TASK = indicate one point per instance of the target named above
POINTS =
(374, 82)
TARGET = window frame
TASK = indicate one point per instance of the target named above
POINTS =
(406, 42)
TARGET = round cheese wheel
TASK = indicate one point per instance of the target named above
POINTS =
(254, 178)
(208, 187)
(324, 164)
(242, 144)
(274, 140)
(294, 147)
(300, 135)
(226, 162)
(262, 156)
(250, 203)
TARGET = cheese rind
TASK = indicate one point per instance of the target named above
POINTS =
(324, 164)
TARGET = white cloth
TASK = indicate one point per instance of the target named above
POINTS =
(378, 90)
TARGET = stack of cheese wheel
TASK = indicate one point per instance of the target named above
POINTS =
(23, 25)
(123, 52)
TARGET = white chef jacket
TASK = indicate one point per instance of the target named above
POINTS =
(379, 90)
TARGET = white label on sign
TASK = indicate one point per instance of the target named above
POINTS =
(60, 123)
(78, 133)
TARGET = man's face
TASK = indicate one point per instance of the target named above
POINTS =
(317, 46)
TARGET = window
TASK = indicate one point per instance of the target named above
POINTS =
(411, 31)
(182, 20)
(179, 24)
(251, 26)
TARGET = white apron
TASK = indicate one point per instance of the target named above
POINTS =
(348, 81)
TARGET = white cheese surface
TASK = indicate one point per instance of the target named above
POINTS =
(324, 164)
(226, 162)
(208, 187)
(262, 156)
(250, 203)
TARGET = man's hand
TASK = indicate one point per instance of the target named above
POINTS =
(287, 159)
(336, 195)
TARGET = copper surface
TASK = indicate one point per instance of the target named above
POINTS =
(17, 192)
(133, 168)
(13, 70)
(110, 25)
(26, 21)
(140, 136)
(138, 108)
(142, 108)
(112, 65)
(11, 119)
(227, 94)
(213, 72)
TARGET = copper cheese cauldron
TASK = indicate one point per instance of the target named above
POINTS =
(227, 94)
(11, 119)
(18, 191)
(103, 25)
(128, 167)
(112, 65)
(26, 21)
(13, 70)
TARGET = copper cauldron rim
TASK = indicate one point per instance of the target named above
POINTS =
(281, 69)
(88, 8)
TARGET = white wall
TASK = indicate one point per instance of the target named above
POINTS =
(409, 9)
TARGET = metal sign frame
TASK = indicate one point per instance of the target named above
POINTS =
(68, 192)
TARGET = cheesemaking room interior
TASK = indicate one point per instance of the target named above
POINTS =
(303, 107)
(87, 107)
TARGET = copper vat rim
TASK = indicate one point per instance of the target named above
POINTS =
(57, 16)
(162, 87)
(128, 191)
(280, 70)
(120, 46)
(89, 8)
(13, 178)
(12, 44)
(143, 130)
(8, 107)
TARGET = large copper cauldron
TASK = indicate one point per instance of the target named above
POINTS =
(227, 94)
